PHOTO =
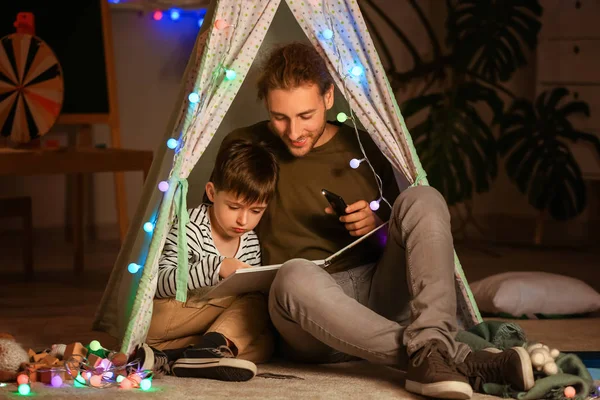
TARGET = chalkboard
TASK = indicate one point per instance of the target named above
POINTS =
(73, 30)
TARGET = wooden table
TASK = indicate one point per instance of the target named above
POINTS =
(77, 161)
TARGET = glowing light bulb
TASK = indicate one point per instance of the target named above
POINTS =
(163, 186)
(22, 379)
(327, 34)
(175, 14)
(221, 24)
(355, 162)
(108, 375)
(120, 378)
(126, 384)
(157, 15)
(194, 98)
(56, 381)
(356, 71)
(95, 345)
(24, 389)
(342, 117)
(172, 143)
(148, 227)
(135, 378)
(145, 384)
(230, 74)
(96, 380)
(374, 205)
(79, 381)
(86, 376)
(200, 22)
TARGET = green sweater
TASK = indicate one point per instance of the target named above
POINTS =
(295, 224)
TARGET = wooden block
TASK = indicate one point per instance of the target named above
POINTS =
(31, 354)
(94, 361)
(38, 357)
(76, 351)
(50, 360)
(46, 375)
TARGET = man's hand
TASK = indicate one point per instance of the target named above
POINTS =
(360, 219)
(230, 265)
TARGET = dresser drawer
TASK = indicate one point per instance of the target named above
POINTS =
(569, 61)
(573, 19)
(588, 94)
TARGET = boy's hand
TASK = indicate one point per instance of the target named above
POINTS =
(230, 265)
(360, 219)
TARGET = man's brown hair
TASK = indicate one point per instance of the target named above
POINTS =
(291, 66)
(248, 169)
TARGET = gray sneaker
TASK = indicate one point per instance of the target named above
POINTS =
(432, 372)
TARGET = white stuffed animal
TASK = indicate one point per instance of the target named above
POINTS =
(543, 358)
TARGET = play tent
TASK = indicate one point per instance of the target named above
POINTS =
(220, 77)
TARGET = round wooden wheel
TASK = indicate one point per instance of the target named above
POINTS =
(31, 87)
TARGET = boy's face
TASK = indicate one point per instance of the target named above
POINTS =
(298, 116)
(233, 217)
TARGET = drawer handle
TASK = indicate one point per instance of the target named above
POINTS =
(576, 49)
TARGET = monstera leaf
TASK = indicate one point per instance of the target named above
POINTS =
(455, 144)
(486, 35)
(539, 161)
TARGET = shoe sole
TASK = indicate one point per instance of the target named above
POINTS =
(222, 369)
(441, 390)
(526, 368)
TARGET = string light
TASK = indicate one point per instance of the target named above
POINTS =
(374, 205)
(56, 381)
(175, 14)
(221, 24)
(342, 117)
(172, 143)
(24, 389)
(163, 186)
(157, 15)
(200, 22)
(355, 162)
(230, 74)
(120, 378)
(194, 98)
(356, 70)
(145, 384)
(148, 227)
(95, 345)
(327, 34)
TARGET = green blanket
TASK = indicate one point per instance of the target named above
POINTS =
(503, 335)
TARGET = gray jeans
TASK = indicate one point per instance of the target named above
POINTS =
(383, 312)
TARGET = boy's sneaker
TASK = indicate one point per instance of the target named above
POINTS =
(510, 367)
(432, 372)
(150, 359)
(213, 363)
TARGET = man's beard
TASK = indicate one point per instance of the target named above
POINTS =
(311, 139)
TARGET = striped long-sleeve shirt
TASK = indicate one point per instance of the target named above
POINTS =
(203, 257)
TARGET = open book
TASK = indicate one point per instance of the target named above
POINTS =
(259, 279)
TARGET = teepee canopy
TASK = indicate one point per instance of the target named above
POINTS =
(221, 76)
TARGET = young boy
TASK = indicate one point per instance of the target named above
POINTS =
(219, 338)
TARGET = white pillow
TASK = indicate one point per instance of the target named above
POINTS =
(528, 293)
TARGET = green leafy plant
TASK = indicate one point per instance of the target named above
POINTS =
(535, 140)
(454, 137)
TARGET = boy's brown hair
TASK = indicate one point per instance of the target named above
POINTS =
(248, 169)
(291, 66)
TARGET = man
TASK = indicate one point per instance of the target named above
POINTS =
(395, 306)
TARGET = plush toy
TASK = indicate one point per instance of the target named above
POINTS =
(12, 355)
(542, 358)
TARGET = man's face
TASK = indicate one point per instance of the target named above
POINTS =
(298, 116)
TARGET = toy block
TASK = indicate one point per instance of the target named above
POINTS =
(40, 356)
(50, 360)
(94, 361)
(31, 354)
(46, 375)
(75, 350)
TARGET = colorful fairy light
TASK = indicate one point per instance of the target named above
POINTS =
(148, 227)
(374, 205)
(342, 117)
(120, 378)
(56, 381)
(356, 70)
(355, 163)
(24, 389)
(200, 22)
(194, 98)
(175, 14)
(95, 345)
(327, 34)
(221, 24)
(163, 186)
(157, 15)
(172, 143)
(133, 268)
(145, 384)
(230, 74)
(22, 379)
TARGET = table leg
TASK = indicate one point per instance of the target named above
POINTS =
(78, 225)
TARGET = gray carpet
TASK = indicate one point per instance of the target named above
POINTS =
(57, 307)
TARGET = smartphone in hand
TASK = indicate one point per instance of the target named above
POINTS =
(336, 202)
